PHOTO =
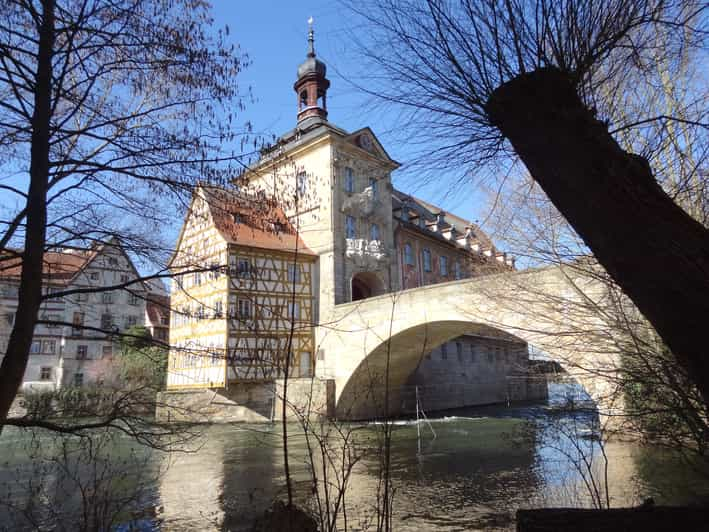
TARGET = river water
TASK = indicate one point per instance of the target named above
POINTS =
(480, 466)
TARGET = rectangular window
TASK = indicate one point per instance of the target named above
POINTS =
(302, 183)
(133, 299)
(78, 379)
(82, 352)
(349, 180)
(305, 364)
(373, 185)
(49, 347)
(232, 265)
(457, 273)
(107, 297)
(124, 278)
(106, 322)
(218, 308)
(443, 264)
(36, 347)
(408, 255)
(93, 276)
(459, 351)
(444, 352)
(10, 318)
(77, 322)
(214, 270)
(293, 310)
(131, 321)
(350, 227)
(243, 307)
(45, 373)
(489, 354)
(426, 260)
(244, 268)
(106, 351)
(472, 353)
(82, 297)
(52, 319)
(374, 232)
(293, 273)
(197, 279)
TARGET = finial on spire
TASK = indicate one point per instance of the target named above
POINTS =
(311, 38)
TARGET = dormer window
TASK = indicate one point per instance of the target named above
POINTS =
(422, 222)
(405, 214)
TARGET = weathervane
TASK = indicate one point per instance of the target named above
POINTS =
(311, 38)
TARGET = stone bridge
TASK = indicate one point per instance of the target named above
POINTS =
(556, 310)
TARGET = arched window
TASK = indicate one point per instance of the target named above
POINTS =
(408, 255)
(303, 98)
(374, 232)
(426, 260)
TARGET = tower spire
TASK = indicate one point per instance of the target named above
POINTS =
(311, 85)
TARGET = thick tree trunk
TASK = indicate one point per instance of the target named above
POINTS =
(30, 293)
(654, 250)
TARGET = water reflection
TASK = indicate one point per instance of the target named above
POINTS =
(473, 475)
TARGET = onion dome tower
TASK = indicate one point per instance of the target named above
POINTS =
(311, 86)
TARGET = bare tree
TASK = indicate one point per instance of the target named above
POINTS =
(477, 73)
(109, 111)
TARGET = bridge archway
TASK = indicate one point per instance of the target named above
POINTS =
(365, 396)
(530, 305)
(366, 285)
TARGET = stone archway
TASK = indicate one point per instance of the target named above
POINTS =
(366, 285)
(363, 393)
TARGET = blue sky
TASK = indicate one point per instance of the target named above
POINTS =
(274, 35)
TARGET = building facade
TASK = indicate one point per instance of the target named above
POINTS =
(358, 236)
(242, 294)
(74, 344)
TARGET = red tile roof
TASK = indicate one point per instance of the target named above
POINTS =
(59, 266)
(253, 220)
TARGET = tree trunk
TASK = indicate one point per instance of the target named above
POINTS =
(654, 250)
(14, 364)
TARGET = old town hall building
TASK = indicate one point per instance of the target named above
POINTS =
(315, 223)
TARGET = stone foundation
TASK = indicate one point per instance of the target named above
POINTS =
(248, 402)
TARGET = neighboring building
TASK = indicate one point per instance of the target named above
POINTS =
(366, 238)
(241, 274)
(157, 317)
(76, 346)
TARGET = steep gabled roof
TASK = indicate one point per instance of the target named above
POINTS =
(252, 220)
(59, 267)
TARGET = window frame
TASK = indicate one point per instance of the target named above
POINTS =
(409, 254)
(426, 259)
(45, 373)
(374, 233)
(349, 180)
(350, 227)
(443, 265)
